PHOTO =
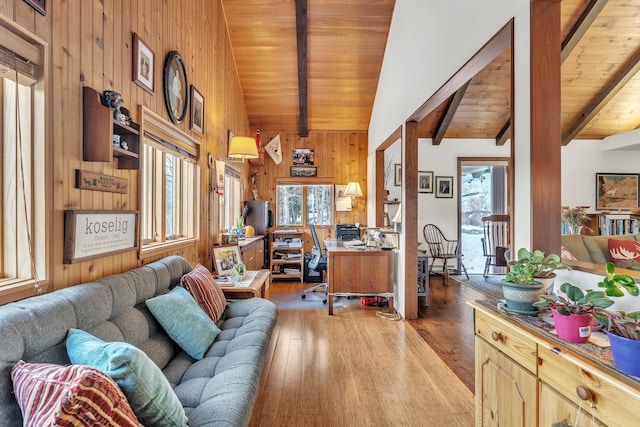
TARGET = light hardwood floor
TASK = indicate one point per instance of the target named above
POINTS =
(353, 369)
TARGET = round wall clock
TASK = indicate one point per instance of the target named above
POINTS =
(176, 89)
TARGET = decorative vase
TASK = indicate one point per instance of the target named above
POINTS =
(520, 298)
(574, 228)
(626, 353)
(573, 328)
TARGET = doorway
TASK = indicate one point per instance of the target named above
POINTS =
(483, 192)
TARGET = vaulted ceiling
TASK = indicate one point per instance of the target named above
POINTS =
(331, 84)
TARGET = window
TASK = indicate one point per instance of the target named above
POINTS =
(230, 204)
(170, 185)
(316, 207)
(23, 167)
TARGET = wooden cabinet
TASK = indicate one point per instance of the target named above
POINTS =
(253, 254)
(98, 128)
(287, 255)
(526, 376)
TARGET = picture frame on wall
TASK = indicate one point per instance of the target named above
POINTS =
(425, 182)
(143, 65)
(303, 156)
(38, 5)
(444, 187)
(176, 87)
(617, 190)
(225, 257)
(397, 175)
(197, 111)
(304, 171)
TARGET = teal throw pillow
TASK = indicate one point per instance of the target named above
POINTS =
(142, 382)
(185, 322)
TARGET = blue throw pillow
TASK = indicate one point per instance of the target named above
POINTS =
(142, 382)
(185, 322)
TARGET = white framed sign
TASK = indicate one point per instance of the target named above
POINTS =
(92, 234)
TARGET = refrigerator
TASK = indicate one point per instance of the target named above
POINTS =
(257, 214)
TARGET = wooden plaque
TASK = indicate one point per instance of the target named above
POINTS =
(99, 182)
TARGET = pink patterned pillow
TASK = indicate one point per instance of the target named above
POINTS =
(200, 284)
(566, 253)
(74, 395)
(624, 253)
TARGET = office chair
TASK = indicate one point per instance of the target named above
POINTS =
(442, 248)
(495, 241)
(318, 262)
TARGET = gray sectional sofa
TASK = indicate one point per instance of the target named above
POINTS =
(593, 249)
(218, 390)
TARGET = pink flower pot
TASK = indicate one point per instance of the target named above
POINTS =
(574, 328)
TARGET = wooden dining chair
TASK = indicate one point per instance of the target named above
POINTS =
(495, 241)
(442, 248)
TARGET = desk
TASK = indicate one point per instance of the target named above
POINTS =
(352, 271)
(255, 285)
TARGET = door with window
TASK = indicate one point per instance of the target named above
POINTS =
(483, 192)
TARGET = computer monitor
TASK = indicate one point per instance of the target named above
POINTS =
(347, 232)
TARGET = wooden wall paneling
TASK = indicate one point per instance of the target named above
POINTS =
(6, 7)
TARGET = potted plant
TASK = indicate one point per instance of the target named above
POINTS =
(519, 286)
(623, 328)
(545, 266)
(573, 311)
(238, 225)
(574, 218)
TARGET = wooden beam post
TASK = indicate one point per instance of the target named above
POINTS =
(410, 220)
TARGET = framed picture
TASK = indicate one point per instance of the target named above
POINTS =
(176, 87)
(425, 182)
(197, 111)
(303, 156)
(398, 175)
(143, 65)
(304, 171)
(616, 190)
(225, 257)
(444, 187)
(38, 5)
(342, 203)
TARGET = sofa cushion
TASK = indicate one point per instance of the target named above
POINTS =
(185, 322)
(566, 254)
(624, 253)
(144, 385)
(575, 244)
(72, 395)
(199, 282)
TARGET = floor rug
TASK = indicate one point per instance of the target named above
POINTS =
(491, 285)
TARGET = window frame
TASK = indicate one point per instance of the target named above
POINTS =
(305, 183)
(36, 52)
(160, 139)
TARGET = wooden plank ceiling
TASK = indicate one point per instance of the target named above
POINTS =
(345, 47)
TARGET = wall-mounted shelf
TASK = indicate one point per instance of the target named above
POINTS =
(98, 128)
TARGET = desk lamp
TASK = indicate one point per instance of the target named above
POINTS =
(243, 147)
(353, 190)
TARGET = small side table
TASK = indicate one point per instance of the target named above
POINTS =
(257, 285)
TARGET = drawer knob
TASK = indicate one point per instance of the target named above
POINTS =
(584, 393)
(496, 336)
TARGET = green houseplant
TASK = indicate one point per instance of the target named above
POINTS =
(573, 311)
(623, 328)
(519, 285)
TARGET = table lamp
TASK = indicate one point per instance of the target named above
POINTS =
(243, 147)
(353, 190)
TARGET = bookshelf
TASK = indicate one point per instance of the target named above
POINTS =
(287, 255)
(610, 224)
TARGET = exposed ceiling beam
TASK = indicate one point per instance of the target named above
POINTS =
(610, 90)
(582, 24)
(450, 111)
(301, 37)
(588, 15)
(505, 133)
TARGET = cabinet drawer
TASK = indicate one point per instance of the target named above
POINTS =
(614, 402)
(515, 343)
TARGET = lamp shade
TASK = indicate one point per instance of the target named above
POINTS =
(398, 217)
(353, 190)
(243, 147)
